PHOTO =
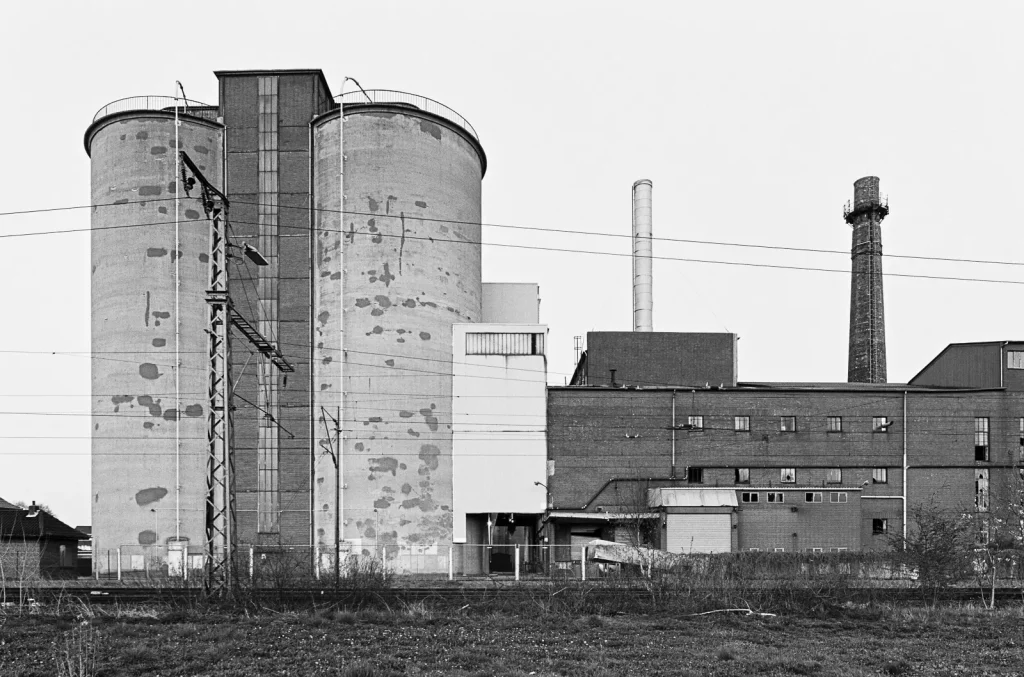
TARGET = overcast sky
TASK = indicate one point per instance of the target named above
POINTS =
(752, 119)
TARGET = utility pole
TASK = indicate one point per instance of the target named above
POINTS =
(334, 451)
(220, 488)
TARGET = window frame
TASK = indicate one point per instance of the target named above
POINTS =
(833, 424)
(772, 495)
(879, 472)
(750, 497)
(879, 526)
(880, 424)
(694, 472)
(695, 423)
(787, 472)
(982, 438)
(815, 496)
(739, 427)
(782, 424)
(834, 476)
(742, 475)
(1011, 363)
(839, 496)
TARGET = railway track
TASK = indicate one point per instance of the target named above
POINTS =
(446, 595)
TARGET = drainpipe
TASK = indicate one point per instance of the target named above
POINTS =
(673, 473)
(905, 469)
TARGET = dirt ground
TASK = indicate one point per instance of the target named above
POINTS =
(420, 641)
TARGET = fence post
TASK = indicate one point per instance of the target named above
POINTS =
(119, 564)
(316, 561)
(252, 563)
(517, 561)
(451, 562)
(583, 563)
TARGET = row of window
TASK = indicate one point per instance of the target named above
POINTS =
(787, 424)
(788, 475)
(815, 550)
(779, 497)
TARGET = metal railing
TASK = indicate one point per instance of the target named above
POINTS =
(152, 102)
(420, 102)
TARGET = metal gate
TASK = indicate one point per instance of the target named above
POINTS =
(699, 533)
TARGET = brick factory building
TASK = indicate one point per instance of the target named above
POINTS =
(661, 421)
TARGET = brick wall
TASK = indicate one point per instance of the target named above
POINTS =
(599, 434)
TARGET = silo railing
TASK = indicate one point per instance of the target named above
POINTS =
(421, 102)
(165, 103)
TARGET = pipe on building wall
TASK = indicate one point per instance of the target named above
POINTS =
(673, 474)
(643, 278)
(906, 467)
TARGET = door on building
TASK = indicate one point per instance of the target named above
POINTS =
(698, 533)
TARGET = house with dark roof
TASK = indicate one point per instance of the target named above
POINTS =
(34, 543)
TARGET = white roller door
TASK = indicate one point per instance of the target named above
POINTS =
(699, 533)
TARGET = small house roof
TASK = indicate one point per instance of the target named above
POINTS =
(15, 524)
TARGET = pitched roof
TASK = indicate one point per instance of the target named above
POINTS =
(4, 505)
(15, 524)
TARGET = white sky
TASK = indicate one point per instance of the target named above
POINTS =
(753, 119)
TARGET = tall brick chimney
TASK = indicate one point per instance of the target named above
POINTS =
(867, 308)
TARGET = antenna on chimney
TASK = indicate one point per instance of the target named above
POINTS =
(643, 277)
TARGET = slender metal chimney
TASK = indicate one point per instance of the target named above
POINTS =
(867, 309)
(643, 279)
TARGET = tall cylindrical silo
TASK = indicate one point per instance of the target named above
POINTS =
(149, 427)
(410, 233)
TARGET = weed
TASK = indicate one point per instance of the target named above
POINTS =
(896, 668)
(76, 653)
(594, 621)
(727, 653)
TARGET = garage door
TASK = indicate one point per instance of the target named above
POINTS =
(699, 533)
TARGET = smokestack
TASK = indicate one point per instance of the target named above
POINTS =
(867, 309)
(643, 279)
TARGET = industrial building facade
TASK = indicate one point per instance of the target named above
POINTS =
(387, 402)
(807, 466)
(357, 219)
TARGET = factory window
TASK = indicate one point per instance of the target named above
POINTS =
(787, 475)
(837, 497)
(776, 497)
(748, 497)
(780, 550)
(982, 534)
(695, 475)
(742, 475)
(812, 497)
(753, 549)
(817, 549)
(879, 526)
(490, 343)
(695, 422)
(835, 476)
(787, 424)
(880, 424)
(65, 557)
(880, 476)
(981, 438)
(981, 490)
(741, 424)
(1015, 359)
(834, 424)
(1020, 451)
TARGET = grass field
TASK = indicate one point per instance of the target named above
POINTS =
(417, 640)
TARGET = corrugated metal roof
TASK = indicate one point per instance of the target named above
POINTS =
(691, 498)
(607, 516)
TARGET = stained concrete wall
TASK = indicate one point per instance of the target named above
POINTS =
(134, 466)
(499, 419)
(412, 191)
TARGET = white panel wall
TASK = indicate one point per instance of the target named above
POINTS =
(499, 421)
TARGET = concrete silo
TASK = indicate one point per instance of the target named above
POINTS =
(410, 234)
(149, 444)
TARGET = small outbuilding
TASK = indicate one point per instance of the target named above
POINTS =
(34, 543)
